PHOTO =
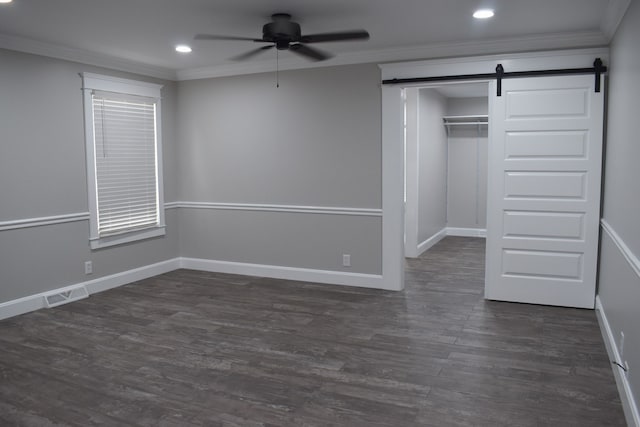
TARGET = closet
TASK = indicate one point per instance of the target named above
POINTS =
(544, 164)
(446, 139)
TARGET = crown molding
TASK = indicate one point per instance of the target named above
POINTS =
(613, 16)
(431, 51)
(441, 50)
(83, 56)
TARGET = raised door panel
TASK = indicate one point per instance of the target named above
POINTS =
(544, 191)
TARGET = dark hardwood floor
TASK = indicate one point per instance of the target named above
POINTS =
(194, 348)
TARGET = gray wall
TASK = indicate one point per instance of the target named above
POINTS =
(43, 173)
(467, 171)
(314, 141)
(619, 284)
(467, 106)
(432, 166)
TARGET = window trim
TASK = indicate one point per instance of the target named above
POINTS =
(91, 82)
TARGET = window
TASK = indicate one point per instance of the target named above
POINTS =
(124, 159)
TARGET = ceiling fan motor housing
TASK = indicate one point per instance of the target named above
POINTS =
(281, 31)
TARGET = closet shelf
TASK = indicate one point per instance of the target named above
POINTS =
(471, 120)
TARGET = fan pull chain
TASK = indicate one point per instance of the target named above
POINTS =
(277, 69)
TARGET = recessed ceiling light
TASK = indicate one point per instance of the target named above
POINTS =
(483, 13)
(6, 1)
(183, 48)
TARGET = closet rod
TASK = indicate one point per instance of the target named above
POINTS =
(468, 116)
(464, 123)
(476, 119)
(597, 69)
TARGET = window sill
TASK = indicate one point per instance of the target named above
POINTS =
(132, 236)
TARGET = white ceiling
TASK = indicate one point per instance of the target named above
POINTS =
(140, 35)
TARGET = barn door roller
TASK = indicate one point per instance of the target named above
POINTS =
(597, 69)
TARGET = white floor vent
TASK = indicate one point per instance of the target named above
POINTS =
(75, 294)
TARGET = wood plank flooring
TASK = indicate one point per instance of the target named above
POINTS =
(194, 348)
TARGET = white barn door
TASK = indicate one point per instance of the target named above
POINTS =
(543, 207)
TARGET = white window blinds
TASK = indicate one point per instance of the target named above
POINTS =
(125, 162)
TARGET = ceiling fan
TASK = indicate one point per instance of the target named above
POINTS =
(284, 34)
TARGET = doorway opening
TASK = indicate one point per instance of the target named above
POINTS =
(445, 163)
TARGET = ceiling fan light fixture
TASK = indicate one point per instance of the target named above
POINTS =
(284, 34)
(182, 48)
(483, 13)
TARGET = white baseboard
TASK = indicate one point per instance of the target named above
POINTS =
(447, 231)
(624, 388)
(129, 276)
(427, 244)
(466, 232)
(20, 306)
(287, 273)
(38, 301)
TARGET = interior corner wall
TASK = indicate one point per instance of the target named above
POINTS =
(432, 164)
(619, 270)
(287, 176)
(43, 175)
(467, 168)
(467, 106)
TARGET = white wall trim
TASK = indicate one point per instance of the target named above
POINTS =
(23, 305)
(286, 273)
(412, 172)
(435, 50)
(120, 279)
(393, 176)
(624, 388)
(448, 231)
(56, 219)
(327, 210)
(83, 56)
(629, 256)
(119, 85)
(37, 301)
(43, 220)
(466, 232)
(427, 244)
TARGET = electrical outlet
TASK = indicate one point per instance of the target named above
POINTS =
(621, 346)
(88, 267)
(346, 260)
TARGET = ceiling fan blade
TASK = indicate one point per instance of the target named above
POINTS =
(335, 37)
(310, 53)
(218, 37)
(251, 53)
